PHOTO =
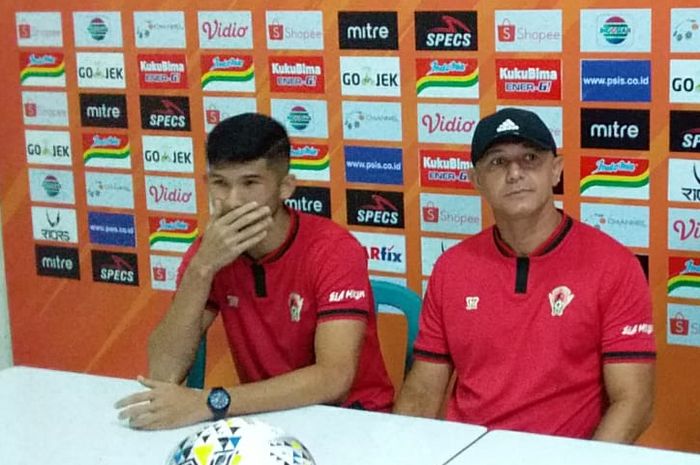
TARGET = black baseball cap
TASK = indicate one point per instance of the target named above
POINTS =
(511, 123)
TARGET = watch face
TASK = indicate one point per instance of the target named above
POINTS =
(219, 399)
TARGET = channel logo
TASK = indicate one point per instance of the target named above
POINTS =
(109, 190)
(225, 30)
(167, 113)
(528, 79)
(54, 224)
(685, 30)
(446, 30)
(227, 72)
(297, 74)
(98, 29)
(375, 208)
(115, 229)
(161, 71)
(683, 229)
(43, 69)
(622, 178)
(458, 214)
(620, 30)
(683, 277)
(615, 80)
(683, 180)
(528, 30)
(444, 168)
(311, 199)
(446, 124)
(447, 78)
(310, 162)
(172, 154)
(171, 234)
(106, 150)
(685, 81)
(103, 110)
(53, 186)
(45, 108)
(217, 109)
(296, 30)
(683, 325)
(615, 129)
(374, 165)
(368, 30)
(370, 76)
(385, 252)
(628, 224)
(372, 121)
(57, 262)
(164, 272)
(159, 29)
(431, 250)
(48, 147)
(39, 29)
(685, 131)
(171, 194)
(115, 267)
(302, 118)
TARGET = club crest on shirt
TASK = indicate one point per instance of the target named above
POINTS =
(296, 304)
(559, 299)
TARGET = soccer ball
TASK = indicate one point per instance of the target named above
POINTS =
(240, 441)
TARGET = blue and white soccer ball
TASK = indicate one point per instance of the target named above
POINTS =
(240, 441)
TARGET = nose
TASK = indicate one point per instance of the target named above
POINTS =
(514, 171)
(233, 198)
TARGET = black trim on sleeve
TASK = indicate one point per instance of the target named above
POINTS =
(629, 355)
(259, 278)
(433, 355)
(521, 272)
(342, 311)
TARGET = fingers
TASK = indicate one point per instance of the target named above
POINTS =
(245, 215)
(137, 398)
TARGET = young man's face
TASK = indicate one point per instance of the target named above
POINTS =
(516, 178)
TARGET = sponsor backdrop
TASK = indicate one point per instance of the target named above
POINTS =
(107, 110)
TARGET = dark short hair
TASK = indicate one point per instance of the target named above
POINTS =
(248, 137)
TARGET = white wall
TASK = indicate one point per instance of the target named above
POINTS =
(5, 340)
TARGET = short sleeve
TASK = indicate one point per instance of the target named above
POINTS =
(212, 303)
(431, 342)
(627, 325)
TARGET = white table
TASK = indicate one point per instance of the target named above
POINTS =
(56, 417)
(514, 448)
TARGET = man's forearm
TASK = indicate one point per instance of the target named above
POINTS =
(624, 421)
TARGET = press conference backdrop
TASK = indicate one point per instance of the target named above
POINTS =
(106, 113)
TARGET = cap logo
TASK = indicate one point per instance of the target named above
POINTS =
(507, 125)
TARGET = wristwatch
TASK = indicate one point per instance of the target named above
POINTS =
(218, 402)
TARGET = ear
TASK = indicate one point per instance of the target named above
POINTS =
(557, 169)
(473, 178)
(287, 186)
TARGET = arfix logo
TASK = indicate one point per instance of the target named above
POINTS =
(683, 180)
(39, 29)
(101, 70)
(45, 108)
(447, 78)
(619, 30)
(615, 80)
(296, 30)
(628, 224)
(168, 113)
(374, 165)
(171, 194)
(684, 81)
(551, 116)
(368, 30)
(57, 262)
(115, 229)
(683, 229)
(372, 121)
(302, 118)
(48, 147)
(447, 124)
(159, 29)
(54, 224)
(162, 71)
(54, 186)
(683, 277)
(44, 69)
(297, 74)
(103, 110)
(173, 154)
(445, 168)
(446, 30)
(375, 208)
(217, 109)
(622, 178)
(115, 267)
(97, 29)
(311, 199)
(685, 29)
(528, 30)
(225, 29)
(615, 129)
(109, 190)
(106, 150)
(373, 76)
(173, 234)
(228, 72)
(528, 79)
(310, 162)
(684, 131)
(459, 214)
(431, 249)
(385, 252)
(164, 272)
(683, 325)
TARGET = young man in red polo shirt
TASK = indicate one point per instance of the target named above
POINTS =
(292, 290)
(546, 321)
